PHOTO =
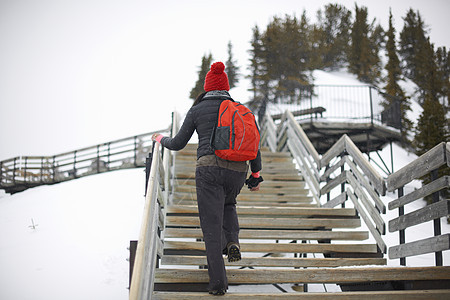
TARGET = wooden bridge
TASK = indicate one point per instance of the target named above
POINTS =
(20, 173)
(297, 229)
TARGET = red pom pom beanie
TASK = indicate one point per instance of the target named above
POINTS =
(216, 79)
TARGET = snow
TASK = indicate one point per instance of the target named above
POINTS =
(78, 248)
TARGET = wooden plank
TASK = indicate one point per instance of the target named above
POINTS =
(376, 179)
(276, 211)
(309, 172)
(245, 190)
(248, 222)
(336, 201)
(303, 137)
(275, 234)
(434, 186)
(276, 261)
(333, 168)
(447, 153)
(434, 244)
(371, 210)
(274, 177)
(322, 275)
(376, 235)
(300, 203)
(426, 163)
(302, 112)
(282, 247)
(368, 188)
(255, 196)
(373, 295)
(267, 183)
(333, 152)
(341, 178)
(145, 260)
(422, 215)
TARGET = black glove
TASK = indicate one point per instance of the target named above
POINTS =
(253, 182)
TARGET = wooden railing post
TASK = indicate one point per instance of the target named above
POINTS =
(135, 151)
(401, 212)
(75, 164)
(1, 172)
(436, 222)
(14, 171)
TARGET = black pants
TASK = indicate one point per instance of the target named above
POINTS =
(217, 189)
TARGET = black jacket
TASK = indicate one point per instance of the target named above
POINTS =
(202, 118)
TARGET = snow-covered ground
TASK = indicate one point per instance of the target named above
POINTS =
(78, 248)
(82, 228)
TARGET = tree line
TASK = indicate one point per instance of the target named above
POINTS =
(283, 54)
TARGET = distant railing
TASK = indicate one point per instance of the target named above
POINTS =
(20, 173)
(358, 103)
(343, 164)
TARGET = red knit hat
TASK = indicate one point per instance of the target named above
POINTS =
(216, 79)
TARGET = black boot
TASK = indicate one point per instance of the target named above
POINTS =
(233, 252)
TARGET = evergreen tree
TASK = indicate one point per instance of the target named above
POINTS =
(204, 68)
(392, 88)
(443, 65)
(257, 69)
(285, 57)
(231, 67)
(430, 79)
(431, 128)
(331, 36)
(364, 60)
(412, 45)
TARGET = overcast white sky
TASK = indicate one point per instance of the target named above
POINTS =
(77, 73)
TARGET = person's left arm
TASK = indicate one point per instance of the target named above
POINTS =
(183, 136)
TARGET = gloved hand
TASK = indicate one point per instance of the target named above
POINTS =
(253, 182)
(157, 137)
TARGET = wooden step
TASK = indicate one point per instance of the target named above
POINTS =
(373, 295)
(320, 275)
(190, 174)
(275, 234)
(282, 247)
(276, 261)
(264, 190)
(190, 201)
(264, 154)
(267, 183)
(254, 196)
(271, 211)
(276, 223)
(286, 167)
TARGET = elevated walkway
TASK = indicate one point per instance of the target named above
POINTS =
(20, 173)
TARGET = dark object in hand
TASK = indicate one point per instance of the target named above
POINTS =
(253, 182)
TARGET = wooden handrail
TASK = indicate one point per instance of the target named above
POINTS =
(151, 238)
(429, 162)
(146, 252)
(366, 185)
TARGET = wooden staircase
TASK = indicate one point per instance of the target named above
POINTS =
(285, 239)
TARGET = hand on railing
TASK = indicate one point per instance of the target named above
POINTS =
(156, 137)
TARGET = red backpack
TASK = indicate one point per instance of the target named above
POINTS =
(236, 135)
